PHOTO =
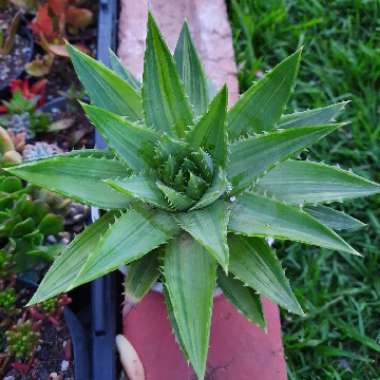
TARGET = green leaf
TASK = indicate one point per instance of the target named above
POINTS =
(337, 220)
(142, 188)
(165, 103)
(218, 187)
(196, 186)
(262, 105)
(191, 71)
(251, 157)
(128, 140)
(133, 235)
(190, 275)
(210, 132)
(299, 182)
(51, 224)
(244, 298)
(177, 200)
(141, 276)
(317, 116)
(254, 215)
(63, 272)
(208, 227)
(105, 88)
(254, 263)
(174, 324)
(78, 176)
(119, 68)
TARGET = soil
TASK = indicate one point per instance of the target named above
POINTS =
(79, 135)
(53, 356)
(12, 64)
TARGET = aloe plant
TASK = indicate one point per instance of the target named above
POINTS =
(193, 190)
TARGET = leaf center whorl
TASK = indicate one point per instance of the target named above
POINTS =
(178, 166)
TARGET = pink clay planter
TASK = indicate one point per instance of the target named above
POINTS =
(238, 349)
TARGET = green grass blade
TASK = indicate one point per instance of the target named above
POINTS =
(337, 220)
(317, 116)
(255, 264)
(142, 188)
(191, 71)
(166, 106)
(243, 298)
(119, 68)
(208, 227)
(210, 132)
(77, 176)
(190, 276)
(218, 187)
(105, 88)
(251, 157)
(254, 215)
(299, 182)
(125, 138)
(177, 200)
(63, 272)
(141, 276)
(262, 105)
(133, 235)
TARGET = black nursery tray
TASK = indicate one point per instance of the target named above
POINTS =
(105, 302)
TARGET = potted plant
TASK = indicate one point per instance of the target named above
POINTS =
(192, 190)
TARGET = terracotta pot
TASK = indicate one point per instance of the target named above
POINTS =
(238, 349)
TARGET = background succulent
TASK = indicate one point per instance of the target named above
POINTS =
(24, 224)
(8, 153)
(193, 190)
(39, 150)
(22, 115)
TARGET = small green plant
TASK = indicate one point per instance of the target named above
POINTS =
(192, 190)
(22, 339)
(7, 299)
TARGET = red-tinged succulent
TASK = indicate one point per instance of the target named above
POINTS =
(51, 309)
(26, 95)
(29, 91)
(55, 20)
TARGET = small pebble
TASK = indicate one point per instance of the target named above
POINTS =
(65, 365)
(55, 376)
(51, 239)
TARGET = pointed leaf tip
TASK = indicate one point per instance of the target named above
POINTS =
(165, 104)
(259, 108)
(105, 88)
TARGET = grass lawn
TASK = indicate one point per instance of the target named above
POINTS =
(340, 336)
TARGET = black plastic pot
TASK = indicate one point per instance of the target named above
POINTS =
(105, 307)
(79, 338)
(26, 33)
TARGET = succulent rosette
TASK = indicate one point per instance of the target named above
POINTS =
(191, 190)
